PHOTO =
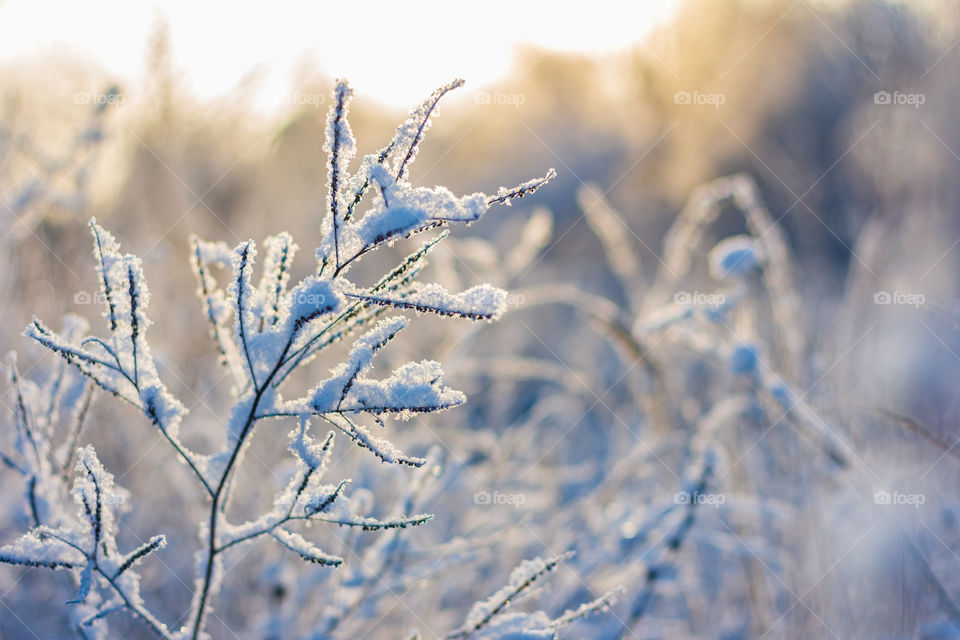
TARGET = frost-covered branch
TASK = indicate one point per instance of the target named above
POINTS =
(87, 546)
(489, 618)
(340, 148)
(506, 196)
(264, 330)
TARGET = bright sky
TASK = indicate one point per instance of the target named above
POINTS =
(394, 51)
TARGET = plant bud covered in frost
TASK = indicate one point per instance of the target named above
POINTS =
(735, 257)
(783, 395)
(743, 359)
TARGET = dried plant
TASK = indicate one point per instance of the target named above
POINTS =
(38, 180)
(263, 331)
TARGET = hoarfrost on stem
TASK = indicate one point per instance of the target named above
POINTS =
(263, 330)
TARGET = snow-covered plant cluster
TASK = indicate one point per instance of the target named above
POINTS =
(662, 490)
(684, 481)
(264, 329)
(676, 481)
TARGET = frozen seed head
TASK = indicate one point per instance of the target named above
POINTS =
(735, 257)
(743, 359)
(783, 395)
